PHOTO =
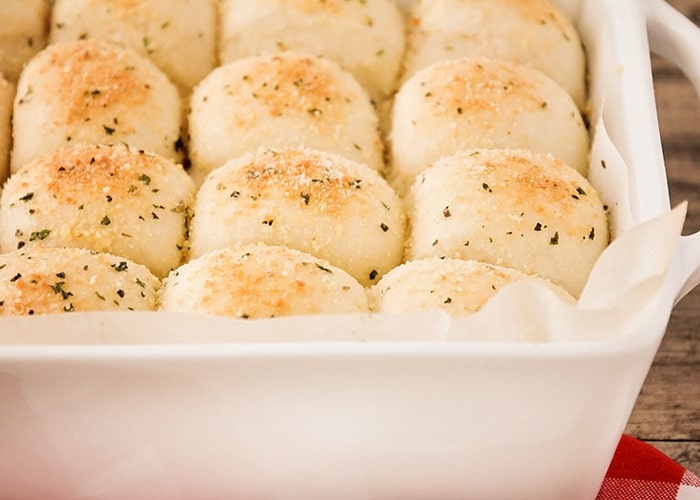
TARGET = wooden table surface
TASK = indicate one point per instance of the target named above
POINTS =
(667, 413)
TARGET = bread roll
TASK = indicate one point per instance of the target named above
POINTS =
(179, 36)
(316, 202)
(105, 198)
(463, 104)
(511, 208)
(533, 33)
(7, 95)
(459, 287)
(278, 101)
(45, 280)
(23, 28)
(260, 281)
(94, 92)
(366, 38)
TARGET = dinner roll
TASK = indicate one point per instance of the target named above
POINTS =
(179, 36)
(534, 33)
(95, 92)
(366, 38)
(277, 101)
(459, 287)
(7, 95)
(316, 202)
(517, 209)
(105, 198)
(23, 27)
(45, 280)
(260, 281)
(463, 104)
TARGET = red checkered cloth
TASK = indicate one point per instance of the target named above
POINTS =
(640, 471)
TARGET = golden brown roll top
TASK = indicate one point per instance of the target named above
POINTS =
(261, 281)
(94, 92)
(463, 104)
(113, 199)
(516, 209)
(458, 287)
(44, 280)
(366, 38)
(534, 33)
(179, 36)
(281, 100)
(316, 202)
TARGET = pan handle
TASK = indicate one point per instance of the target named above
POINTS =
(675, 38)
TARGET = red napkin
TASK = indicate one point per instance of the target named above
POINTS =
(640, 471)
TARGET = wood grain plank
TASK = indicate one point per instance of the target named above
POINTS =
(667, 412)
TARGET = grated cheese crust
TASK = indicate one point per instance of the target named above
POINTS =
(261, 281)
(517, 209)
(46, 280)
(365, 37)
(105, 198)
(533, 33)
(94, 92)
(458, 287)
(282, 100)
(179, 36)
(463, 104)
(316, 202)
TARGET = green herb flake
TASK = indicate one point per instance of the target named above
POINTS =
(122, 266)
(554, 240)
(27, 197)
(324, 269)
(39, 235)
(145, 179)
(58, 289)
(108, 130)
(105, 221)
(147, 44)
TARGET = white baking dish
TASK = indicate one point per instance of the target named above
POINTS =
(167, 406)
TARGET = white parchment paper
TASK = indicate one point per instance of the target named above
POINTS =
(632, 277)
